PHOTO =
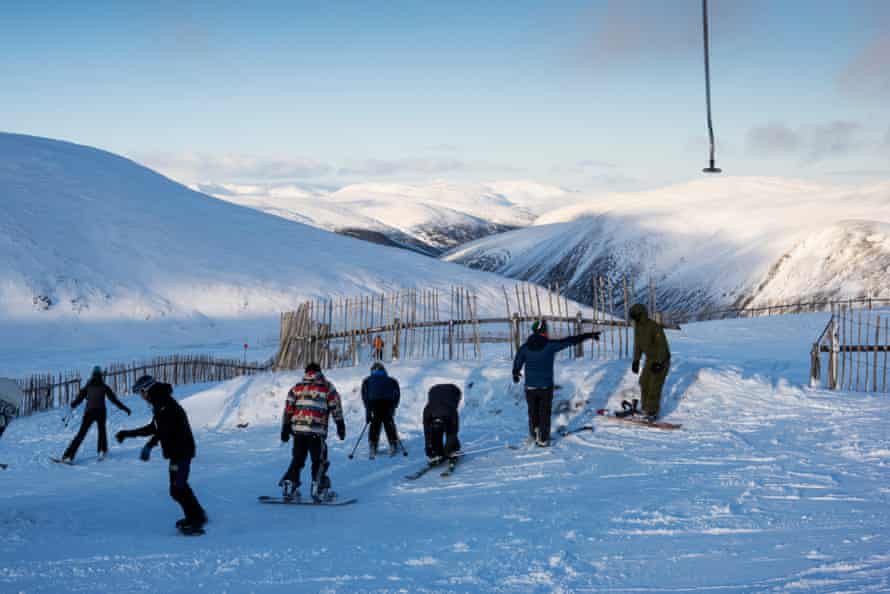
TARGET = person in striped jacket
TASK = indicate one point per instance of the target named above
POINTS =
(307, 409)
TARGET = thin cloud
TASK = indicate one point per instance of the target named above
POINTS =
(810, 143)
(628, 29)
(202, 166)
(868, 73)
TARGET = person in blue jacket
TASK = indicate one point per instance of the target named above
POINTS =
(537, 355)
(380, 394)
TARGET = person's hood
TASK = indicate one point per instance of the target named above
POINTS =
(160, 394)
(638, 310)
(536, 342)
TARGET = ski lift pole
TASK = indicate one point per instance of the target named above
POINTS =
(711, 168)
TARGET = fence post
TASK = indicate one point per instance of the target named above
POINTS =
(815, 366)
(396, 338)
(450, 340)
(579, 328)
(515, 332)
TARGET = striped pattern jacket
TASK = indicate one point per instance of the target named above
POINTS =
(309, 403)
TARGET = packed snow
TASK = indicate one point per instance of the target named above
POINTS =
(769, 486)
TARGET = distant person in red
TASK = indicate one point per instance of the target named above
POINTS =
(94, 392)
(378, 348)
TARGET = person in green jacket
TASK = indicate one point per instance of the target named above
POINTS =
(649, 340)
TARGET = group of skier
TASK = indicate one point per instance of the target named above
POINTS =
(312, 402)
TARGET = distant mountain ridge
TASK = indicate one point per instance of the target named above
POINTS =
(714, 243)
(428, 218)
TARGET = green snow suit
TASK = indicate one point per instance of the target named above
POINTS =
(649, 340)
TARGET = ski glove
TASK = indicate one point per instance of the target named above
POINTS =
(635, 367)
(657, 367)
(285, 434)
(145, 454)
(341, 430)
(120, 436)
(595, 335)
(128, 411)
(516, 377)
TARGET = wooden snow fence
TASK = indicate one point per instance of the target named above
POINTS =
(430, 324)
(857, 343)
(48, 391)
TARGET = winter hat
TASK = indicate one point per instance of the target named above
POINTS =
(378, 366)
(143, 383)
(96, 371)
(313, 368)
(539, 327)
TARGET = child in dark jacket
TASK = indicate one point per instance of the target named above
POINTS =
(94, 392)
(170, 426)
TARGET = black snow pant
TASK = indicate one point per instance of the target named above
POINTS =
(315, 446)
(381, 414)
(540, 405)
(90, 416)
(182, 493)
(440, 435)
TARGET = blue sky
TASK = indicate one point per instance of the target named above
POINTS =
(583, 94)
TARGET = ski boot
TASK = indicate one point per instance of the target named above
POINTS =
(321, 491)
(289, 489)
(393, 448)
(372, 450)
(435, 460)
(100, 456)
(648, 418)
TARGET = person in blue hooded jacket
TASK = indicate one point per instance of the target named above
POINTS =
(537, 355)
(380, 394)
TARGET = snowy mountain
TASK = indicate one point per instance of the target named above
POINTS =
(100, 251)
(715, 242)
(429, 218)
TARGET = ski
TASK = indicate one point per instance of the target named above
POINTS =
(416, 475)
(452, 464)
(297, 501)
(563, 431)
(190, 531)
(635, 420)
(60, 461)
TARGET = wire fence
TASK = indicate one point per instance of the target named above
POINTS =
(857, 343)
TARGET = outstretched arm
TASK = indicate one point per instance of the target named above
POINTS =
(80, 396)
(569, 341)
(113, 397)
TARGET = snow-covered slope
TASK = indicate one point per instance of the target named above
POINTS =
(98, 250)
(426, 217)
(769, 487)
(714, 242)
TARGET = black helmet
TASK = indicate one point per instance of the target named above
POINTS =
(313, 368)
(378, 366)
(143, 383)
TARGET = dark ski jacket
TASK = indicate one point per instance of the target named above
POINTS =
(379, 386)
(95, 393)
(442, 404)
(649, 338)
(537, 356)
(170, 425)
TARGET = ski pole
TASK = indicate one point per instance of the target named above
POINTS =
(401, 445)
(359, 440)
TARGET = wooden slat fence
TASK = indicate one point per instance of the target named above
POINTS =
(857, 343)
(47, 391)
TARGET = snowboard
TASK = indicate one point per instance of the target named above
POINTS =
(295, 501)
(637, 421)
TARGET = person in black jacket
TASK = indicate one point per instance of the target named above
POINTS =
(380, 394)
(440, 422)
(537, 355)
(94, 392)
(170, 427)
